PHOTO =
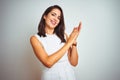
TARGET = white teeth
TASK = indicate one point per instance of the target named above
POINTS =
(53, 22)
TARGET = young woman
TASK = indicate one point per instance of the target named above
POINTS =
(56, 51)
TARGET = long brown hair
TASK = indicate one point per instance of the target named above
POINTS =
(60, 28)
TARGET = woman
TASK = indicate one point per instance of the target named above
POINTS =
(56, 51)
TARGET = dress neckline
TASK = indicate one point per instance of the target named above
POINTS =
(50, 34)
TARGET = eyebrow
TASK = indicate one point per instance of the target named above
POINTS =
(55, 13)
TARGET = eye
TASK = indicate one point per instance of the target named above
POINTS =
(59, 17)
(53, 14)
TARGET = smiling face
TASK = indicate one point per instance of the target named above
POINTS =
(52, 19)
(52, 22)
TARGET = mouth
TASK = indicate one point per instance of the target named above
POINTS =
(53, 22)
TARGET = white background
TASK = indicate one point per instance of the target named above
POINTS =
(98, 43)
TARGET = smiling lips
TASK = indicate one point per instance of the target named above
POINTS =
(53, 22)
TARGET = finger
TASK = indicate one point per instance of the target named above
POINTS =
(79, 27)
(75, 29)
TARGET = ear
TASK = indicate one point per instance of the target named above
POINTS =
(44, 16)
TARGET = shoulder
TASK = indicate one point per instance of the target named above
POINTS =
(34, 38)
(35, 41)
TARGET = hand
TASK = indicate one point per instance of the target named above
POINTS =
(78, 28)
(73, 36)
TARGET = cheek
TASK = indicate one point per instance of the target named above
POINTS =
(46, 20)
(58, 21)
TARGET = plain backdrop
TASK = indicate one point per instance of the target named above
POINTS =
(98, 43)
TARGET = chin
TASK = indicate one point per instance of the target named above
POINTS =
(53, 27)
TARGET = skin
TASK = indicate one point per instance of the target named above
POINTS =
(51, 21)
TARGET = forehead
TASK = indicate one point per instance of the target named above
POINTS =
(56, 11)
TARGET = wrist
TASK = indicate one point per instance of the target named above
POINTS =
(74, 44)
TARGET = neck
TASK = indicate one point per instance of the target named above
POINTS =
(49, 30)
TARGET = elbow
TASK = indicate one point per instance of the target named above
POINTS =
(74, 64)
(48, 64)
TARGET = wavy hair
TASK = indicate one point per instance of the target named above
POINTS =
(59, 29)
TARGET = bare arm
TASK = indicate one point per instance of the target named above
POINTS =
(50, 60)
(41, 54)
(73, 53)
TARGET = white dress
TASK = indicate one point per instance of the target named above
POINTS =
(62, 70)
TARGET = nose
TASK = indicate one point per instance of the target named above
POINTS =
(56, 18)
